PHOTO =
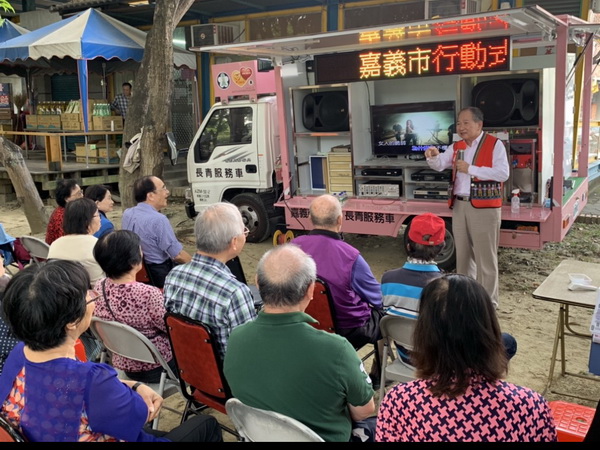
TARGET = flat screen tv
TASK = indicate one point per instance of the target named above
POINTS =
(410, 128)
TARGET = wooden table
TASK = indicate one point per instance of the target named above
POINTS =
(555, 289)
(52, 142)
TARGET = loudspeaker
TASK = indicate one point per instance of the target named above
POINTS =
(510, 102)
(326, 111)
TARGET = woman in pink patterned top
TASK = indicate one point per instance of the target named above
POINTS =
(125, 300)
(459, 395)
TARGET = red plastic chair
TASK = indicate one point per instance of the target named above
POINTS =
(199, 366)
(321, 308)
(572, 420)
(143, 276)
(80, 351)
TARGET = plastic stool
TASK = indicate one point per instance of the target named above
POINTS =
(80, 351)
(572, 420)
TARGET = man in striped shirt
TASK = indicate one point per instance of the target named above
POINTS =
(402, 287)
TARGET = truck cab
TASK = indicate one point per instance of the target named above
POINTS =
(233, 156)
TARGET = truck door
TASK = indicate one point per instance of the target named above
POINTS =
(224, 154)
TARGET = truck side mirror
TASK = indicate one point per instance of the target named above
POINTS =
(173, 152)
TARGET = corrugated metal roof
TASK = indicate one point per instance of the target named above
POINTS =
(558, 7)
(78, 4)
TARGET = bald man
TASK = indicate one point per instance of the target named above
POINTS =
(279, 362)
(355, 291)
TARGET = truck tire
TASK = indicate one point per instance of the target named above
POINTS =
(255, 216)
(446, 259)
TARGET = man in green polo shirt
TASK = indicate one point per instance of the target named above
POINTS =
(279, 362)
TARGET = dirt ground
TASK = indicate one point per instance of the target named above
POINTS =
(532, 322)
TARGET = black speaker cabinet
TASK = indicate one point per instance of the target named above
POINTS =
(326, 111)
(509, 102)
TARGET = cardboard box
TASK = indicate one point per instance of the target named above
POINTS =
(31, 120)
(107, 153)
(49, 121)
(70, 117)
(112, 142)
(104, 123)
(80, 150)
(71, 125)
(82, 159)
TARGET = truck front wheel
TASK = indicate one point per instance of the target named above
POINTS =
(255, 216)
(446, 259)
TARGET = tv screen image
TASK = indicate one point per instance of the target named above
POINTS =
(410, 128)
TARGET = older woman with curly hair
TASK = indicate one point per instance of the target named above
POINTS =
(67, 190)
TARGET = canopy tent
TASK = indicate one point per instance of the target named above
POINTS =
(10, 30)
(86, 38)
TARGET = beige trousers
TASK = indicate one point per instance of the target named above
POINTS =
(476, 236)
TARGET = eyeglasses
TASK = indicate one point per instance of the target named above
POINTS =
(164, 188)
(246, 231)
(78, 193)
(94, 295)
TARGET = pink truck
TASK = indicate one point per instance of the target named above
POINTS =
(351, 113)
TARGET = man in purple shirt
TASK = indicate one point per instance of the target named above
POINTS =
(160, 246)
(355, 291)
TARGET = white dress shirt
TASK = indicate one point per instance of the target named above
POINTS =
(462, 184)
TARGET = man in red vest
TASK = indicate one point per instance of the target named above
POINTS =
(479, 167)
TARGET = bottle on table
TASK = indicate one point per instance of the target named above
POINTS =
(515, 202)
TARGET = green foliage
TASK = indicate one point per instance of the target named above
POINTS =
(6, 6)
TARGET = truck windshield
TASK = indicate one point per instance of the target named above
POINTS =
(226, 126)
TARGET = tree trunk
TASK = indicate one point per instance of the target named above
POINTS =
(27, 194)
(150, 105)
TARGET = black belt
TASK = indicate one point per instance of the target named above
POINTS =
(463, 198)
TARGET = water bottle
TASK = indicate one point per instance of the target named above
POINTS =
(515, 202)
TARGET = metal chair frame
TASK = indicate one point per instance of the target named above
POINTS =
(322, 308)
(37, 248)
(259, 425)
(394, 329)
(128, 342)
(199, 366)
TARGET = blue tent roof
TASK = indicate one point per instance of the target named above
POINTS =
(10, 30)
(87, 35)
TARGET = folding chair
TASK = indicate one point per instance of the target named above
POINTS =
(199, 366)
(322, 308)
(143, 276)
(7, 250)
(10, 433)
(11, 264)
(130, 343)
(396, 329)
(235, 265)
(37, 248)
(259, 425)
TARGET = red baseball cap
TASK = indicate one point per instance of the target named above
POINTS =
(427, 229)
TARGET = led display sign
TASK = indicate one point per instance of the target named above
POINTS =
(417, 60)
